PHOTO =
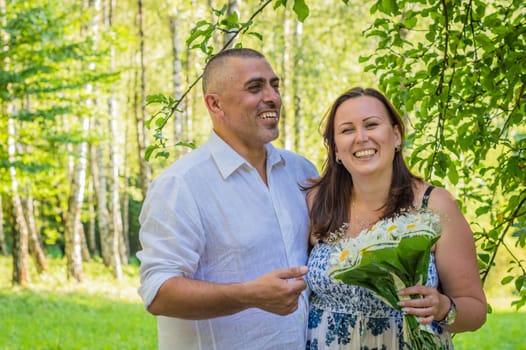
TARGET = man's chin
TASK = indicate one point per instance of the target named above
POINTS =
(272, 134)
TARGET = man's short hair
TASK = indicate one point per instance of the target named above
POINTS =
(218, 60)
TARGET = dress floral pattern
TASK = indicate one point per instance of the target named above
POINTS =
(351, 317)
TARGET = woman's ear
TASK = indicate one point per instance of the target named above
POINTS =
(398, 135)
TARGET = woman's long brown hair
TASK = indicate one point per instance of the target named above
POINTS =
(330, 207)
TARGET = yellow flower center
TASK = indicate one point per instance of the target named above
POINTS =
(410, 226)
(391, 228)
(344, 254)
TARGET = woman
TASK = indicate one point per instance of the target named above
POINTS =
(365, 180)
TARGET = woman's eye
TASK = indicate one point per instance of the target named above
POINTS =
(371, 125)
(347, 130)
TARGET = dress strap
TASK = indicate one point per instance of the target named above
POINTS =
(427, 193)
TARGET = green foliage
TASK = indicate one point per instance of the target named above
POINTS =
(39, 48)
(458, 71)
(158, 120)
(202, 33)
(45, 69)
(299, 7)
(44, 73)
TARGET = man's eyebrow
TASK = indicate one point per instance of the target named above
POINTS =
(261, 80)
(254, 80)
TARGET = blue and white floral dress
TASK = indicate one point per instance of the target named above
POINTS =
(344, 316)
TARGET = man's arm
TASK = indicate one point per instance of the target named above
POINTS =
(277, 292)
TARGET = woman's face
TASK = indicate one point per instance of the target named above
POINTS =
(365, 140)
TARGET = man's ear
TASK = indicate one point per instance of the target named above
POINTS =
(213, 103)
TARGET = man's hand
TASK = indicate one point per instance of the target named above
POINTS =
(278, 291)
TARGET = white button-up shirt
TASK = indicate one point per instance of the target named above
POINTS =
(210, 216)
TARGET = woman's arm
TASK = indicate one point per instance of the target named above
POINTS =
(458, 272)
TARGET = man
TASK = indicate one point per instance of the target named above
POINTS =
(224, 229)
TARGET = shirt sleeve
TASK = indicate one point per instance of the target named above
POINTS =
(171, 235)
(308, 170)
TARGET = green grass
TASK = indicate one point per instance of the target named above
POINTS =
(502, 331)
(42, 320)
(103, 314)
(52, 314)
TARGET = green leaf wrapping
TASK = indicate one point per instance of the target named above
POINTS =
(408, 260)
(393, 255)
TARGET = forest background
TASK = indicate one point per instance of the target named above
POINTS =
(98, 96)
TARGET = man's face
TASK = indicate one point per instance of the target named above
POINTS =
(249, 103)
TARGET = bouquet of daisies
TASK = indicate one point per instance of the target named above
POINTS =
(392, 255)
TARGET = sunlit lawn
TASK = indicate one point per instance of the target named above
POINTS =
(101, 313)
(502, 331)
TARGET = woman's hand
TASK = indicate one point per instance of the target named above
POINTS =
(431, 305)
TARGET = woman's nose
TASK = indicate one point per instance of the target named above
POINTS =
(361, 135)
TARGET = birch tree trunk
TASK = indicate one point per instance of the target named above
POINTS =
(3, 46)
(3, 245)
(103, 215)
(98, 165)
(35, 248)
(142, 134)
(18, 223)
(176, 74)
(125, 196)
(21, 232)
(83, 243)
(73, 219)
(74, 231)
(92, 241)
(285, 83)
(215, 37)
(177, 81)
(299, 139)
(118, 252)
(189, 106)
(233, 7)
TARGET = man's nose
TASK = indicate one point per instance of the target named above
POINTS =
(272, 95)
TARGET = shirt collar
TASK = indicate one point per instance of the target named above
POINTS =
(228, 161)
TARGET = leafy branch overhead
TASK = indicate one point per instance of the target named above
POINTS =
(457, 69)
